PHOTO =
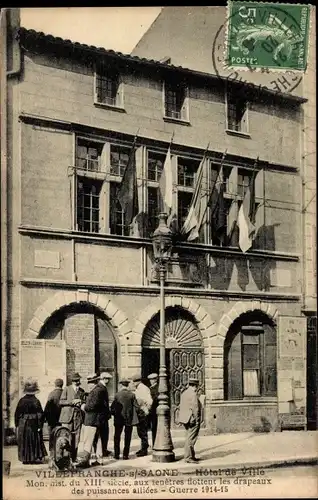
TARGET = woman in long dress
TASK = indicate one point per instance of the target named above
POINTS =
(29, 419)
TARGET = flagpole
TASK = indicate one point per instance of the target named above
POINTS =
(264, 202)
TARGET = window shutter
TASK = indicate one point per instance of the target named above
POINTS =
(235, 389)
(244, 120)
(185, 103)
(270, 363)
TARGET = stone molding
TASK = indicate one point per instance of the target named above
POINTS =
(114, 315)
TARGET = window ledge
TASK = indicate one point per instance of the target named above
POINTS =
(120, 109)
(177, 120)
(239, 134)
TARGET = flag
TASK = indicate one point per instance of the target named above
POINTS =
(194, 218)
(165, 185)
(244, 220)
(128, 192)
(218, 205)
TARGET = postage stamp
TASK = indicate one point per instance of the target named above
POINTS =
(267, 35)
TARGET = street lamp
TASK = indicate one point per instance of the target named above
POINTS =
(162, 246)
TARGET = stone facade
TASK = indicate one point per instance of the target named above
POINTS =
(52, 267)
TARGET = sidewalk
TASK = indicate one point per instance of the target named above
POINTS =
(223, 451)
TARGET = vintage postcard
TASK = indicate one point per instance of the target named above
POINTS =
(158, 264)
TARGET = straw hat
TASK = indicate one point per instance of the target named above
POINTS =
(91, 379)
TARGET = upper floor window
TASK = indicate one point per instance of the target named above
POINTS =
(88, 204)
(176, 101)
(119, 157)
(108, 87)
(186, 174)
(237, 113)
(229, 186)
(155, 162)
(88, 155)
(250, 360)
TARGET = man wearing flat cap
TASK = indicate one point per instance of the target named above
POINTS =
(154, 391)
(144, 401)
(71, 414)
(52, 410)
(190, 417)
(124, 411)
(97, 414)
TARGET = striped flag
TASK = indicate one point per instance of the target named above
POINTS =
(128, 192)
(246, 217)
(194, 219)
(165, 184)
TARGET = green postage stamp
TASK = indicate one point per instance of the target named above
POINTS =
(267, 35)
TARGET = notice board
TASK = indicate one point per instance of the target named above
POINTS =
(44, 360)
(291, 371)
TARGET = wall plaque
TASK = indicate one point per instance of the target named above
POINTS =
(47, 258)
(80, 345)
(44, 360)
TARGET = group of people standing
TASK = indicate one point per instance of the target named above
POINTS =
(87, 416)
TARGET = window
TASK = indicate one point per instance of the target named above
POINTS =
(108, 88)
(155, 162)
(88, 155)
(237, 108)
(117, 221)
(119, 157)
(187, 169)
(243, 182)
(226, 202)
(88, 204)
(176, 106)
(250, 360)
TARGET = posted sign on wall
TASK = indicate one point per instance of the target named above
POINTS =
(45, 361)
(291, 370)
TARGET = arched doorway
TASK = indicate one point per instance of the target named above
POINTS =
(90, 342)
(184, 353)
(250, 354)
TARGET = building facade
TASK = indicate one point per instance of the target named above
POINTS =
(81, 289)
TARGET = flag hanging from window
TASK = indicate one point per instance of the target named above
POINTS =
(246, 218)
(128, 192)
(195, 215)
(165, 185)
(218, 205)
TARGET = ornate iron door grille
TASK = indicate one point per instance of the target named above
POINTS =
(184, 363)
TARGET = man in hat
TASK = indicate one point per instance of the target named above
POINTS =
(124, 410)
(144, 401)
(73, 396)
(97, 414)
(154, 391)
(190, 417)
(52, 410)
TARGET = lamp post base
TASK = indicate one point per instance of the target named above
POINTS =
(163, 456)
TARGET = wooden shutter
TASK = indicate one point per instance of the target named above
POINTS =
(269, 362)
(235, 389)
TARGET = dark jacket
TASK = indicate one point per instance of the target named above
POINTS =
(154, 391)
(124, 408)
(97, 406)
(67, 409)
(52, 408)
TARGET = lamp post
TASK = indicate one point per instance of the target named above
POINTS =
(162, 246)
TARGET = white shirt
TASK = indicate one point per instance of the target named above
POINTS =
(143, 397)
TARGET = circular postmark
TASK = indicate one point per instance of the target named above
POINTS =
(266, 39)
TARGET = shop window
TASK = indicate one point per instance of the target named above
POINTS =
(250, 361)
